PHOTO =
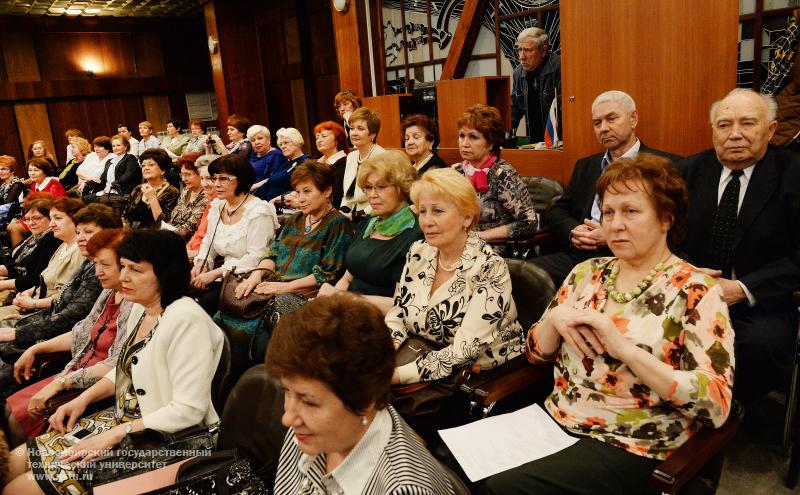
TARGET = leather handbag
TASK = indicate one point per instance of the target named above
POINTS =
(248, 307)
(422, 398)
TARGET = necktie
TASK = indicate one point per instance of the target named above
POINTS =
(723, 231)
(595, 213)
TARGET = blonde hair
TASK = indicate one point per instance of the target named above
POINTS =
(255, 130)
(146, 123)
(81, 145)
(448, 184)
(393, 166)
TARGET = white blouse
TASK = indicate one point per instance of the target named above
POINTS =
(358, 201)
(241, 244)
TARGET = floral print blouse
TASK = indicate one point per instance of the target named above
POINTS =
(187, 213)
(472, 314)
(507, 201)
(682, 320)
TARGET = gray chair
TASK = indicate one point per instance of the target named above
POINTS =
(544, 193)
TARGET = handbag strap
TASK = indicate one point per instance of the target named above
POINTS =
(213, 235)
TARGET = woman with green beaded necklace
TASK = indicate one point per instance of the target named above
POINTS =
(377, 254)
(642, 344)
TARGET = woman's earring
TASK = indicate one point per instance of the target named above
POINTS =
(364, 420)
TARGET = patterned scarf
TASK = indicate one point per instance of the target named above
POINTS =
(401, 220)
(478, 175)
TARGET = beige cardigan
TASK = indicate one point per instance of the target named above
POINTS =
(63, 263)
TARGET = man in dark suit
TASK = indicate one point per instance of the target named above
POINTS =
(744, 204)
(575, 218)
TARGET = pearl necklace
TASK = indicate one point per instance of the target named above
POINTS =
(610, 283)
(368, 154)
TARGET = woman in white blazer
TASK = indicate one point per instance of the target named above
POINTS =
(162, 380)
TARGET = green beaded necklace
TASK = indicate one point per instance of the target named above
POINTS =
(610, 283)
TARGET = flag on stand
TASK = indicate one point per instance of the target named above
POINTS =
(551, 128)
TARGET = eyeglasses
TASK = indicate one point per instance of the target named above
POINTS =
(379, 188)
(222, 179)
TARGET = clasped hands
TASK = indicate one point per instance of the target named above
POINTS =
(589, 332)
(588, 236)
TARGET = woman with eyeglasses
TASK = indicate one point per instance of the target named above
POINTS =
(202, 163)
(156, 197)
(239, 227)
(193, 201)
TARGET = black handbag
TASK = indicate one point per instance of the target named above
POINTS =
(221, 473)
(422, 398)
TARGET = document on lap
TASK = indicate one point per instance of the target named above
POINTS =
(493, 445)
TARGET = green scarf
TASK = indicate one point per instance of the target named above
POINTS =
(401, 220)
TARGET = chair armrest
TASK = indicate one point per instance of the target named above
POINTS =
(684, 463)
(498, 383)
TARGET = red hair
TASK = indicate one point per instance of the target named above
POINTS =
(338, 133)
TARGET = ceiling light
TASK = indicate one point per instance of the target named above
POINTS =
(92, 11)
(73, 12)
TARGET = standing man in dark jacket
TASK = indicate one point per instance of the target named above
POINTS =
(575, 218)
(537, 81)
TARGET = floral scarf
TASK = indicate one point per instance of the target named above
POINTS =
(478, 175)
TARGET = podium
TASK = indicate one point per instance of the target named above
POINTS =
(454, 96)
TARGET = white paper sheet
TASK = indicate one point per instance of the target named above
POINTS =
(168, 226)
(499, 443)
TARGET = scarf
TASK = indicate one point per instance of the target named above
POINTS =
(478, 175)
(401, 220)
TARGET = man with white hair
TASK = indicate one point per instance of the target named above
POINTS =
(744, 204)
(536, 81)
(575, 218)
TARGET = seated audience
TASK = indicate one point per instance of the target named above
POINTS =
(69, 134)
(507, 211)
(210, 191)
(193, 201)
(742, 211)
(345, 103)
(377, 255)
(574, 220)
(175, 142)
(642, 343)
(94, 343)
(11, 187)
(237, 139)
(121, 173)
(334, 360)
(40, 174)
(364, 126)
(149, 140)
(57, 314)
(62, 264)
(155, 198)
(455, 291)
(421, 138)
(173, 346)
(37, 149)
(331, 140)
(267, 162)
(94, 163)
(69, 175)
(239, 227)
(133, 144)
(290, 142)
(197, 139)
(32, 256)
(309, 252)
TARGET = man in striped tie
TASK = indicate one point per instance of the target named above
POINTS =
(744, 204)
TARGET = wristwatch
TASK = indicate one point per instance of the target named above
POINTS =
(62, 382)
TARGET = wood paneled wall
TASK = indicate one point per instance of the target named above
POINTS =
(279, 68)
(141, 69)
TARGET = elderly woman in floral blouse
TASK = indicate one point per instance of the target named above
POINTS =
(455, 291)
(642, 343)
(506, 207)
(193, 200)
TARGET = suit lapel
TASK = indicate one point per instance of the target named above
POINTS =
(760, 188)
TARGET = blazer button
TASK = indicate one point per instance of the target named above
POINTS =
(134, 360)
(139, 391)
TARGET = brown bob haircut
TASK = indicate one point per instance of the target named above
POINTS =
(187, 160)
(43, 165)
(339, 134)
(424, 122)
(98, 214)
(661, 181)
(106, 239)
(487, 121)
(368, 115)
(103, 142)
(69, 206)
(343, 96)
(320, 173)
(340, 340)
(239, 122)
(197, 123)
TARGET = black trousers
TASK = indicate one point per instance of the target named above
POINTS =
(587, 467)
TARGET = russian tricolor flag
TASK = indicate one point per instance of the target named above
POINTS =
(551, 128)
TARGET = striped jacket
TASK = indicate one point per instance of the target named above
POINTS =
(404, 468)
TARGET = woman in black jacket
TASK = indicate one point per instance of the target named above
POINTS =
(126, 173)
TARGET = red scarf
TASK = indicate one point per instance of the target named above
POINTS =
(478, 176)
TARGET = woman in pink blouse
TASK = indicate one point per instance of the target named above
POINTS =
(642, 344)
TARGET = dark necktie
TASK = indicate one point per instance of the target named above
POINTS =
(723, 232)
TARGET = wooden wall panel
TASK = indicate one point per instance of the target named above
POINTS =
(156, 110)
(9, 139)
(673, 76)
(148, 54)
(69, 55)
(348, 49)
(33, 124)
(19, 55)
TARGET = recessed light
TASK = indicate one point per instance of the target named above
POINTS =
(92, 11)
(73, 12)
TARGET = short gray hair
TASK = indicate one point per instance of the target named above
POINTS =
(769, 101)
(254, 130)
(621, 98)
(291, 134)
(540, 37)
